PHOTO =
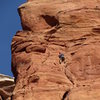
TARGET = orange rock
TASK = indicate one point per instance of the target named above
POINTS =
(49, 27)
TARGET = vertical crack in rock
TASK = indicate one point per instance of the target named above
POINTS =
(65, 95)
(70, 76)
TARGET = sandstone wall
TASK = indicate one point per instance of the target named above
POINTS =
(49, 27)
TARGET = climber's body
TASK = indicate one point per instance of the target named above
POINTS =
(61, 58)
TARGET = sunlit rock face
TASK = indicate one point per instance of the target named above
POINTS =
(6, 87)
(49, 27)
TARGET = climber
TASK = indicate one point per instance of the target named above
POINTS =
(61, 58)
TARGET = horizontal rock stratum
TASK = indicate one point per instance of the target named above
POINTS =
(6, 87)
(49, 27)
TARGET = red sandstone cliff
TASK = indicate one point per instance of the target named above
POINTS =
(50, 27)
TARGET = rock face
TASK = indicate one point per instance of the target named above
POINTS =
(49, 27)
(6, 87)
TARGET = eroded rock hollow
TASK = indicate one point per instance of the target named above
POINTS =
(49, 27)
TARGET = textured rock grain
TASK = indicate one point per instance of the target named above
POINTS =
(50, 27)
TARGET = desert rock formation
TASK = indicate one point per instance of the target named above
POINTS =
(49, 27)
(6, 87)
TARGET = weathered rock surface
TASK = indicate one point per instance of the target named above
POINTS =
(6, 87)
(50, 27)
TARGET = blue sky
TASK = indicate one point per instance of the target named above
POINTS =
(9, 24)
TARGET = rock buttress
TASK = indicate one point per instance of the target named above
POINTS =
(49, 27)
